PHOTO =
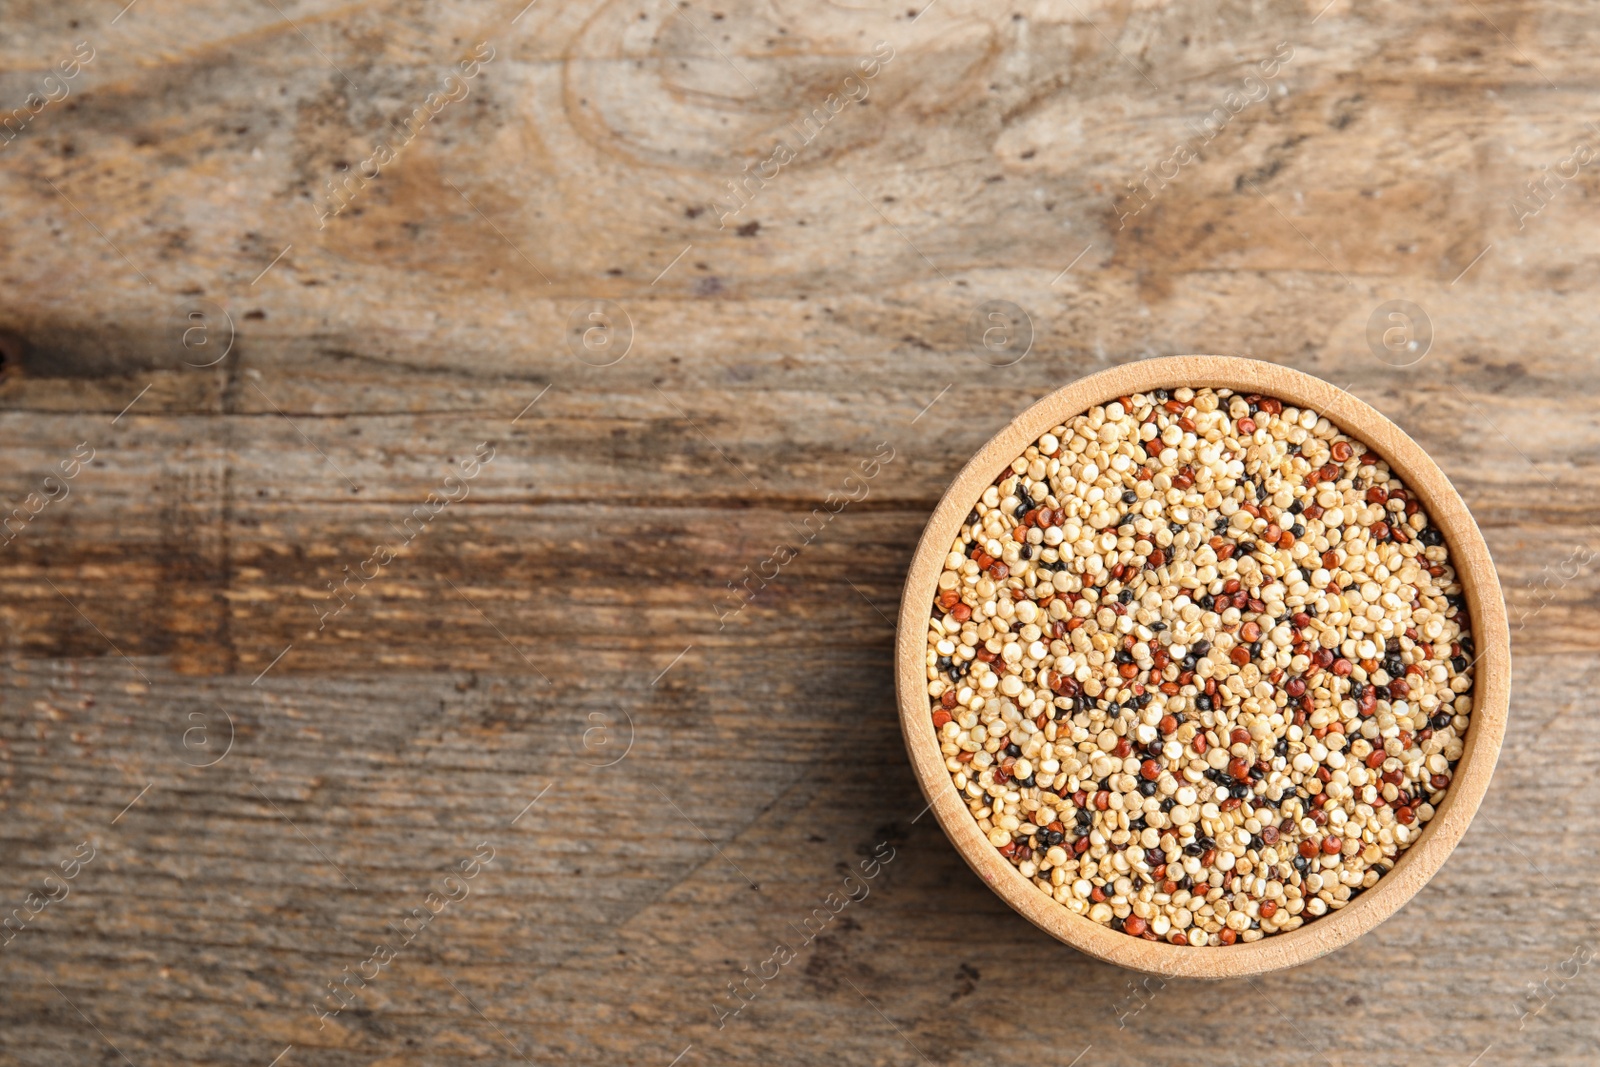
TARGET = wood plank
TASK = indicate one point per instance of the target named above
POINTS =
(203, 874)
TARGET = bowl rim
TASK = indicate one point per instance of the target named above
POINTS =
(1476, 574)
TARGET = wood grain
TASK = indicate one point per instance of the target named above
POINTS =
(373, 355)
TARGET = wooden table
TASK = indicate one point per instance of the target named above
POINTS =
(279, 696)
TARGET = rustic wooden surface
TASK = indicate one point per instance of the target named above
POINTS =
(578, 586)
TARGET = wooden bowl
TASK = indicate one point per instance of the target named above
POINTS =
(1491, 682)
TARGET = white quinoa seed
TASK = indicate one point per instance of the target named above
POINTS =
(1200, 666)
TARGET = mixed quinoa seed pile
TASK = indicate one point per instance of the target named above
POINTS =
(1200, 666)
